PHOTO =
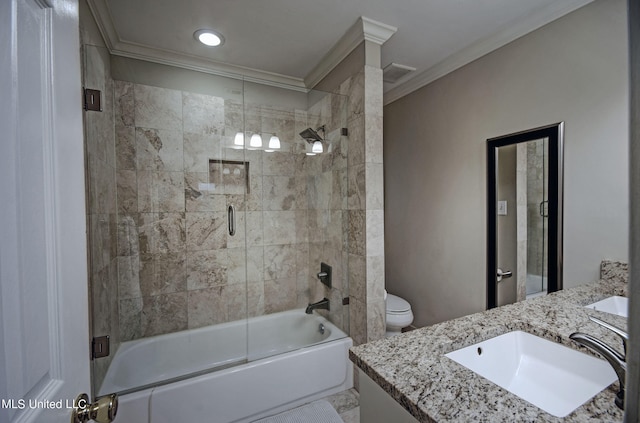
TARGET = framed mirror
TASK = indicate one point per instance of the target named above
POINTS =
(524, 214)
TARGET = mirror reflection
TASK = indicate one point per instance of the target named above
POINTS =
(525, 192)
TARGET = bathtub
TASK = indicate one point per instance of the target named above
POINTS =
(260, 367)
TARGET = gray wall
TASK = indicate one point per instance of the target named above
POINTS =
(572, 70)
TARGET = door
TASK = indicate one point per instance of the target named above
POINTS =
(44, 353)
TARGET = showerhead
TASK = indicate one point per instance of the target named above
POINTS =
(310, 135)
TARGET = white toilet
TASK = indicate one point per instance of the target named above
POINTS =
(399, 314)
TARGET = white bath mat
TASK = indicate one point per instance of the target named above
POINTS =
(316, 412)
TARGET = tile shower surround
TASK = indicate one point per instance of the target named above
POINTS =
(177, 266)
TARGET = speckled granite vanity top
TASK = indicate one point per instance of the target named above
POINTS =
(412, 367)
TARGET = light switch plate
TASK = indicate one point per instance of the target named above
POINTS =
(502, 208)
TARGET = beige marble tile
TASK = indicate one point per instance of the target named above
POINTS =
(279, 262)
(357, 134)
(159, 149)
(161, 191)
(158, 108)
(124, 103)
(199, 149)
(280, 163)
(161, 232)
(279, 227)
(200, 196)
(357, 321)
(373, 91)
(344, 401)
(155, 310)
(128, 237)
(254, 228)
(374, 186)
(302, 226)
(375, 233)
(126, 157)
(127, 191)
(162, 273)
(101, 289)
(375, 278)
(203, 114)
(354, 89)
(130, 319)
(231, 177)
(373, 145)
(255, 299)
(279, 295)
(128, 277)
(376, 313)
(279, 193)
(206, 231)
(245, 265)
(356, 191)
(357, 277)
(206, 269)
(206, 307)
(357, 232)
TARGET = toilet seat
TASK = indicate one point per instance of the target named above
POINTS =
(397, 305)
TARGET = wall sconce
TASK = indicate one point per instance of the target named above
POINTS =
(238, 141)
(255, 141)
(274, 144)
(317, 147)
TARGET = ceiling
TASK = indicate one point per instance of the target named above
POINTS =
(286, 41)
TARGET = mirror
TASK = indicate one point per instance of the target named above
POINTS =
(524, 215)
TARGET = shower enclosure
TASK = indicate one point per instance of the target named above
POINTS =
(205, 206)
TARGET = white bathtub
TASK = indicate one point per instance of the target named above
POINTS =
(289, 363)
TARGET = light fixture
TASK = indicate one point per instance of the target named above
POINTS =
(317, 147)
(255, 141)
(274, 142)
(209, 37)
(239, 139)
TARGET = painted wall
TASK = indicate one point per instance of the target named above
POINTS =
(572, 70)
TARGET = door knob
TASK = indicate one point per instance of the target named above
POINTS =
(103, 410)
(503, 275)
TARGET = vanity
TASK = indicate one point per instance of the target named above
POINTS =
(408, 378)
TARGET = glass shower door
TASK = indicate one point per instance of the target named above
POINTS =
(166, 187)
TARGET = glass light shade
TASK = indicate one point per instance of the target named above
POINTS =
(255, 141)
(239, 139)
(274, 143)
(317, 147)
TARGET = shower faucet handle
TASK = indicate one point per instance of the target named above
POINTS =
(325, 274)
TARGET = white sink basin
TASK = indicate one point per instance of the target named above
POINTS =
(614, 305)
(550, 376)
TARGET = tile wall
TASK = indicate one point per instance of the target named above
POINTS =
(178, 267)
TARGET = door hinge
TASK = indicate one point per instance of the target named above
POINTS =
(92, 100)
(100, 346)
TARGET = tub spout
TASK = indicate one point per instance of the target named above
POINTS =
(322, 304)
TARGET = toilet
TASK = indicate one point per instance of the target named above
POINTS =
(399, 314)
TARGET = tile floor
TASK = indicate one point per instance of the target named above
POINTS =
(347, 404)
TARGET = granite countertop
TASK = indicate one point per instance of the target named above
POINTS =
(412, 367)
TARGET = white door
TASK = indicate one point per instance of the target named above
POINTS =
(44, 344)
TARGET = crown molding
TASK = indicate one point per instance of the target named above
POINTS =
(483, 47)
(124, 48)
(364, 29)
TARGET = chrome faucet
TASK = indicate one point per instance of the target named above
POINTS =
(617, 360)
(322, 304)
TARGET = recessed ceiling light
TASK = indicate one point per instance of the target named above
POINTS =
(209, 37)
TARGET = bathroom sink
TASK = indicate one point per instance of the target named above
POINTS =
(614, 305)
(550, 376)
